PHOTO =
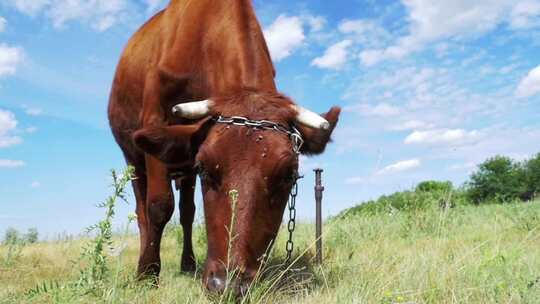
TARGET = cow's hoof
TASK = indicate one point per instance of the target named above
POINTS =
(188, 264)
(149, 275)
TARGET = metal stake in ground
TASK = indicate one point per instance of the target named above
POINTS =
(318, 219)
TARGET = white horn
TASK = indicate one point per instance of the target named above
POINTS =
(311, 119)
(193, 110)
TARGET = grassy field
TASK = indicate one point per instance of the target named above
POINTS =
(467, 254)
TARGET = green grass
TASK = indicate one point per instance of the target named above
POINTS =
(466, 254)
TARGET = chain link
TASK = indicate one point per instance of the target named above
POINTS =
(298, 142)
(292, 217)
(294, 134)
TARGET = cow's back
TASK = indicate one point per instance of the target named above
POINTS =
(211, 48)
(125, 103)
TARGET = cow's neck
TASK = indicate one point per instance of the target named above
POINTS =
(230, 39)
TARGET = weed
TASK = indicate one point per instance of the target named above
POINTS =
(94, 274)
(13, 252)
(454, 254)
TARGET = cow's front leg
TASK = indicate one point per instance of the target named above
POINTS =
(159, 209)
(187, 215)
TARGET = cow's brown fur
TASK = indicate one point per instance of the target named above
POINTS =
(198, 49)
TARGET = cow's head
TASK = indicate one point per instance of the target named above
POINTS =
(259, 164)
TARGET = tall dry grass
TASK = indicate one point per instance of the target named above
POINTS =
(486, 254)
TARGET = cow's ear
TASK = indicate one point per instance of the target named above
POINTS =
(315, 140)
(172, 143)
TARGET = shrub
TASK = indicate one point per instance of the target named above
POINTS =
(94, 255)
(31, 236)
(532, 178)
(499, 179)
(12, 236)
(434, 186)
(14, 244)
(427, 195)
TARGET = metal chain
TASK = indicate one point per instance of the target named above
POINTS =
(292, 217)
(293, 134)
(298, 142)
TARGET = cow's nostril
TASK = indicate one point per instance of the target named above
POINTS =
(216, 284)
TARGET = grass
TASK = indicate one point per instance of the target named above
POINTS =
(468, 254)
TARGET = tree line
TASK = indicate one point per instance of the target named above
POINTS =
(12, 236)
(502, 179)
(499, 180)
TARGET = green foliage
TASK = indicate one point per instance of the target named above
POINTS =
(424, 245)
(466, 254)
(524, 218)
(13, 253)
(94, 254)
(427, 195)
(96, 275)
(31, 236)
(435, 186)
(15, 242)
(532, 177)
(12, 236)
(499, 179)
(43, 288)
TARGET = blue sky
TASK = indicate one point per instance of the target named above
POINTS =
(429, 89)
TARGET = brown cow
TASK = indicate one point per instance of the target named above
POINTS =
(215, 50)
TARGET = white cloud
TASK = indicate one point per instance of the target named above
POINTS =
(468, 166)
(316, 23)
(508, 68)
(442, 136)
(530, 84)
(11, 164)
(10, 58)
(365, 32)
(153, 5)
(3, 24)
(335, 56)
(401, 166)
(410, 125)
(100, 14)
(525, 14)
(371, 57)
(8, 124)
(30, 7)
(355, 180)
(517, 143)
(8, 141)
(431, 21)
(35, 184)
(382, 109)
(32, 111)
(356, 26)
(284, 36)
